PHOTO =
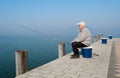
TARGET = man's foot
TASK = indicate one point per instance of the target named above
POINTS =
(72, 55)
(75, 56)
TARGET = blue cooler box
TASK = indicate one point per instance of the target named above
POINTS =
(110, 36)
(104, 40)
(87, 52)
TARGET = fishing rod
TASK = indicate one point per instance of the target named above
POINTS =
(44, 34)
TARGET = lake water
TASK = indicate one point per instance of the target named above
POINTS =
(41, 50)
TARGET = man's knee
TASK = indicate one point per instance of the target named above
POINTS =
(73, 44)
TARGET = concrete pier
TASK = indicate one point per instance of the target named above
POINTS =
(114, 66)
(65, 67)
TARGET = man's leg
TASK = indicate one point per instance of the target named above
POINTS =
(75, 46)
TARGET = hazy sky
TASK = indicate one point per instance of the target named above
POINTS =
(59, 16)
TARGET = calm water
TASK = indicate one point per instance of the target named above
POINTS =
(41, 50)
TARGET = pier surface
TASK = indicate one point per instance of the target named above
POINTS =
(106, 65)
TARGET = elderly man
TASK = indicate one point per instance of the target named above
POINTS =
(82, 40)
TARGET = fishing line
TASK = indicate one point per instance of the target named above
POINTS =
(41, 33)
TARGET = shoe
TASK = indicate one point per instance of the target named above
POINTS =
(72, 55)
(75, 56)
